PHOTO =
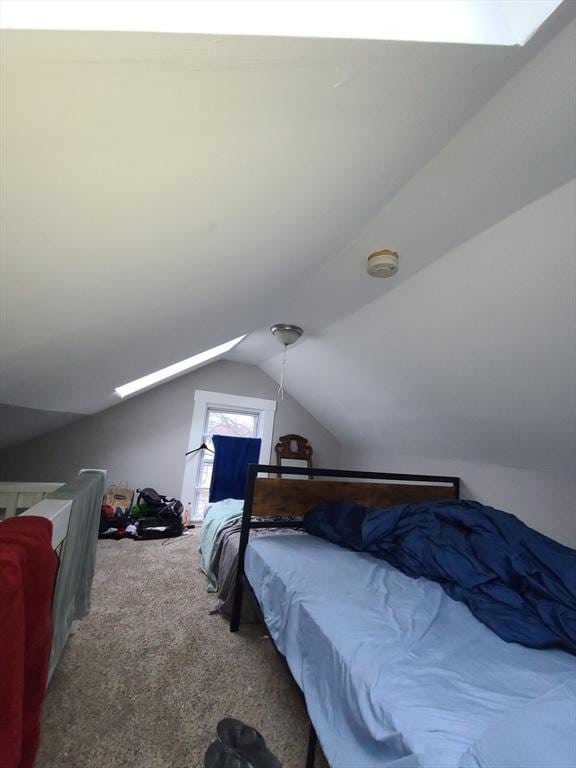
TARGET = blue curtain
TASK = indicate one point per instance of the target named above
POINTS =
(231, 458)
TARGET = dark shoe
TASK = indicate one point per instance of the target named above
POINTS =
(218, 755)
(247, 740)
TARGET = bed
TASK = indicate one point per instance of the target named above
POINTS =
(217, 515)
(48, 537)
(73, 509)
(219, 548)
(393, 671)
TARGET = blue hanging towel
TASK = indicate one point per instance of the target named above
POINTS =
(231, 458)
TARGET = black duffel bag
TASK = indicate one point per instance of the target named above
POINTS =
(161, 517)
(159, 527)
(153, 504)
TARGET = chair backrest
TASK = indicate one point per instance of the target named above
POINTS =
(293, 451)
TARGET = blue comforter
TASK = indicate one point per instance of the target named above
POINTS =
(518, 582)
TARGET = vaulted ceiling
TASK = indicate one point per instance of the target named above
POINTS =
(162, 194)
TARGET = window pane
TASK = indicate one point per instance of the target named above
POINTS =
(220, 422)
(201, 503)
(205, 474)
(232, 423)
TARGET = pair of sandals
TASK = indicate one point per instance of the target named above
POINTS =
(239, 746)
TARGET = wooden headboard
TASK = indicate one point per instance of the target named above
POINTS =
(273, 497)
(277, 498)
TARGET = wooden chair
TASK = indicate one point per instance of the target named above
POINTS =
(293, 451)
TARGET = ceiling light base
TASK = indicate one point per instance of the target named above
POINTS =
(286, 333)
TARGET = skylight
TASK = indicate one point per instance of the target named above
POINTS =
(481, 22)
(175, 370)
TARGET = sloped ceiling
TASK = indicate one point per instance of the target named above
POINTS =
(472, 358)
(164, 193)
(18, 425)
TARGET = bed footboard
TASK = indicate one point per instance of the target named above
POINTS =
(15, 498)
(74, 511)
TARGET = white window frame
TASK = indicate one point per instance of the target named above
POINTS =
(204, 400)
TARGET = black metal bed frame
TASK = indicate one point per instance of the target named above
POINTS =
(248, 524)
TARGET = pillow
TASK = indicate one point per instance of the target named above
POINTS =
(541, 733)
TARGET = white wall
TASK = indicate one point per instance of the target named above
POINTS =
(543, 500)
(143, 440)
(18, 425)
(473, 358)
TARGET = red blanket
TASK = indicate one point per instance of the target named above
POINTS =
(27, 571)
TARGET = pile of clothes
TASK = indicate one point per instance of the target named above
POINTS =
(154, 516)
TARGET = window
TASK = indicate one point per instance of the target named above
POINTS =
(220, 414)
(220, 422)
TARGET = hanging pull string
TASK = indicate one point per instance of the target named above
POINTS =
(280, 393)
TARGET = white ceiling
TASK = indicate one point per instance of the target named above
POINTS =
(165, 193)
(519, 146)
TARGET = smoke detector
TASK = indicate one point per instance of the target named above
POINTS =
(382, 263)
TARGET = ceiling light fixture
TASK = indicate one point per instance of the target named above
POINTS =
(145, 382)
(286, 334)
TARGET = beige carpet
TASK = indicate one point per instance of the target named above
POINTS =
(149, 673)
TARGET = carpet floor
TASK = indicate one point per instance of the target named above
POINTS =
(144, 681)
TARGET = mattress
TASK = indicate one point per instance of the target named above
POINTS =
(224, 565)
(394, 672)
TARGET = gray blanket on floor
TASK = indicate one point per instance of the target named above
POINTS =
(224, 564)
